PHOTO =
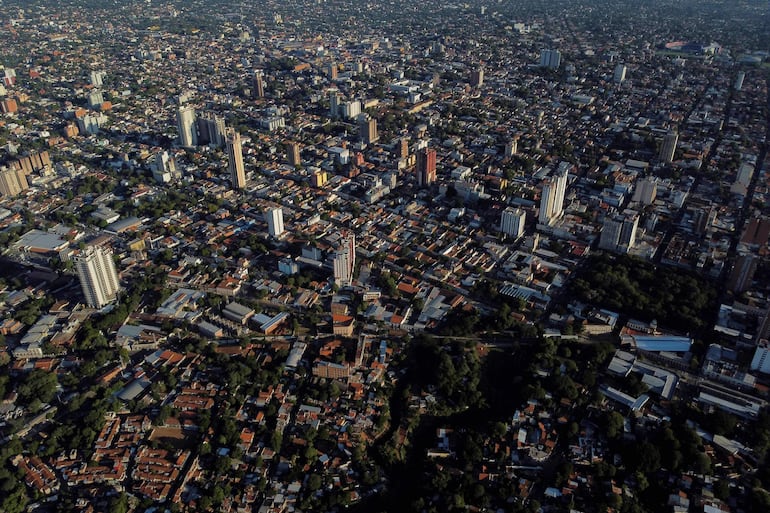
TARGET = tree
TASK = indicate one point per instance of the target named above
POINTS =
(615, 423)
(314, 482)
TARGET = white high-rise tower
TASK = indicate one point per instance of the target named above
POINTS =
(188, 133)
(552, 196)
(98, 277)
(274, 218)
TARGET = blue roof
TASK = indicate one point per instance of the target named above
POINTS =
(663, 343)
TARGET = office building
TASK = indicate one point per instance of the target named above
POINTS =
(188, 133)
(550, 59)
(619, 232)
(344, 261)
(292, 153)
(477, 77)
(235, 159)
(426, 167)
(13, 181)
(367, 128)
(620, 74)
(668, 147)
(512, 222)
(552, 196)
(274, 219)
(98, 277)
(259, 84)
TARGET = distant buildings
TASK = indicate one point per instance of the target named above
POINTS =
(98, 277)
(235, 159)
(512, 222)
(550, 59)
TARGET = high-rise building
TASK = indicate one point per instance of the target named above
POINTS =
(426, 167)
(349, 109)
(333, 71)
(165, 168)
(619, 232)
(9, 76)
(620, 74)
(259, 84)
(9, 106)
(512, 147)
(552, 196)
(761, 360)
(292, 153)
(235, 159)
(98, 277)
(211, 130)
(96, 78)
(188, 134)
(367, 128)
(344, 260)
(742, 273)
(334, 103)
(95, 99)
(668, 147)
(739, 80)
(550, 59)
(319, 178)
(274, 218)
(512, 222)
(403, 148)
(646, 190)
(12, 181)
(477, 77)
